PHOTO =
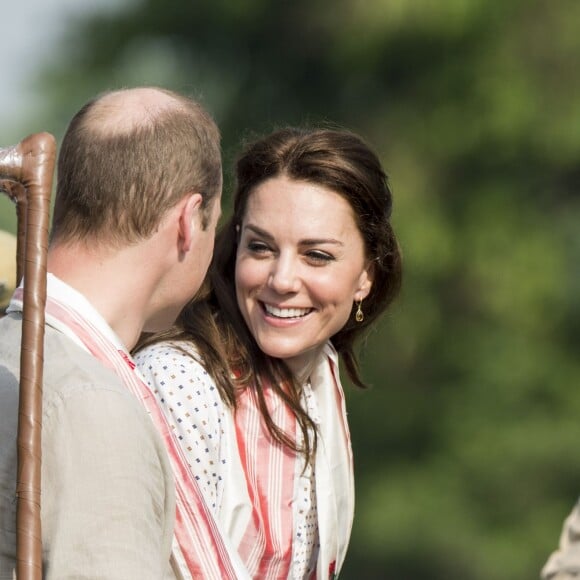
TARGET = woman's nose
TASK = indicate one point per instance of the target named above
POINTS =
(283, 276)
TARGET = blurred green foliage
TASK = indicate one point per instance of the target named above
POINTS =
(465, 445)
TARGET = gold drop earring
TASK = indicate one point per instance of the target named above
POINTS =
(359, 315)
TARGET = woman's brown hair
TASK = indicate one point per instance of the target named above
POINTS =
(343, 163)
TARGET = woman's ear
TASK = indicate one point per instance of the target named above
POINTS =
(365, 282)
(189, 220)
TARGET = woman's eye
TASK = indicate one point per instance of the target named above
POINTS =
(257, 247)
(318, 257)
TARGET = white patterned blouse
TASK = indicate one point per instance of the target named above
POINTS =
(199, 418)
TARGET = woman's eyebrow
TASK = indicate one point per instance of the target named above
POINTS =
(259, 231)
(321, 241)
(305, 242)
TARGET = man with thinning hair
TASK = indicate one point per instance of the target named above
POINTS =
(137, 203)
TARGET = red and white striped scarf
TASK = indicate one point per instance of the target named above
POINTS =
(265, 550)
(266, 547)
(197, 536)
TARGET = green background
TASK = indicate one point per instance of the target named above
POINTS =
(465, 447)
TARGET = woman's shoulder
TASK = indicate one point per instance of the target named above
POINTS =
(169, 354)
(186, 393)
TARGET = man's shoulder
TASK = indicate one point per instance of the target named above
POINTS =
(66, 366)
(10, 333)
(72, 372)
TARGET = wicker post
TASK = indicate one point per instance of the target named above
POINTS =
(26, 173)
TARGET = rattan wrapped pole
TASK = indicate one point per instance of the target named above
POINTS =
(26, 174)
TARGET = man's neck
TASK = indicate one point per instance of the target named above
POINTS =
(111, 281)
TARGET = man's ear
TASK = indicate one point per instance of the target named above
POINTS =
(189, 220)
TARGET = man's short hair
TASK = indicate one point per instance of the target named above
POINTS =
(121, 167)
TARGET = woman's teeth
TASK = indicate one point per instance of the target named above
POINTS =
(286, 312)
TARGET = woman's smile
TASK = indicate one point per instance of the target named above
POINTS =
(285, 313)
(298, 273)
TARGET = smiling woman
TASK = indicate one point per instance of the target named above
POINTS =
(298, 273)
(249, 378)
